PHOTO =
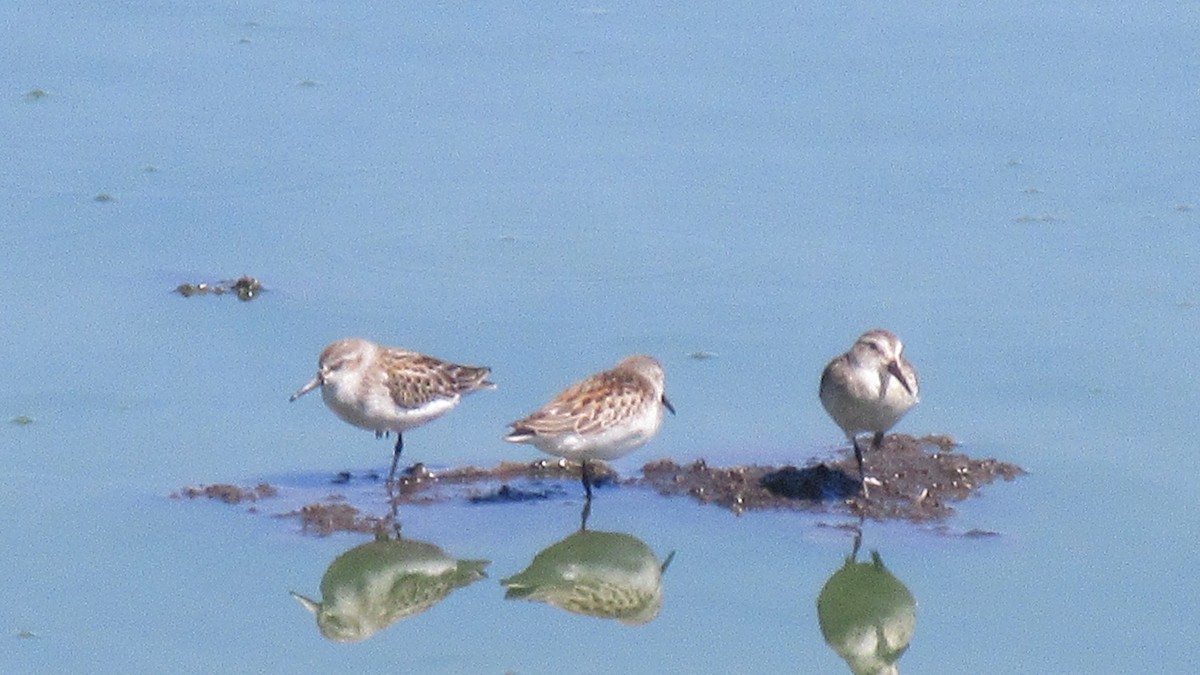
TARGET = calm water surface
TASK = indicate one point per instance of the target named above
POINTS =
(544, 190)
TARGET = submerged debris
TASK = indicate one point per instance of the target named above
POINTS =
(245, 287)
(325, 519)
(507, 493)
(230, 494)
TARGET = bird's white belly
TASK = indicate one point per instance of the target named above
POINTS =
(870, 413)
(876, 418)
(376, 411)
(607, 444)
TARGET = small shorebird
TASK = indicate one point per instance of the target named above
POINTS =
(605, 416)
(869, 388)
(384, 389)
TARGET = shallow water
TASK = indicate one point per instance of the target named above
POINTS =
(544, 190)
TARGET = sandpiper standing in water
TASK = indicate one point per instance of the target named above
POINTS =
(606, 416)
(868, 389)
(384, 389)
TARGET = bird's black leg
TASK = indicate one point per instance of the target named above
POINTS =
(585, 474)
(396, 456)
(862, 474)
(877, 442)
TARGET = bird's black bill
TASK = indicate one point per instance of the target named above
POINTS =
(667, 405)
(894, 369)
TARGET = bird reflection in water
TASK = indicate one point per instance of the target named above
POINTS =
(867, 615)
(373, 585)
(610, 575)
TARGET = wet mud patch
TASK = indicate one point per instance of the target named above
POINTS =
(913, 479)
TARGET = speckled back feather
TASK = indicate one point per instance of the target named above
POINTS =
(416, 379)
(591, 405)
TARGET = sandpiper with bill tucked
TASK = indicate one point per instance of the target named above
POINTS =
(869, 388)
(384, 389)
(606, 416)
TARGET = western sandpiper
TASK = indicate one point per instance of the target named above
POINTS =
(384, 389)
(605, 416)
(869, 388)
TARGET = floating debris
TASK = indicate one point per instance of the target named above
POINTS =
(702, 355)
(21, 420)
(104, 198)
(36, 95)
(246, 288)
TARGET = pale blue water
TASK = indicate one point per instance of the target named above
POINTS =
(544, 190)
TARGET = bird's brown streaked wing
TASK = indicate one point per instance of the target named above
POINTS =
(414, 380)
(618, 406)
(586, 406)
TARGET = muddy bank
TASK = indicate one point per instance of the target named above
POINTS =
(913, 479)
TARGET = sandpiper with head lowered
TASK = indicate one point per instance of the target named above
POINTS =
(385, 389)
(605, 416)
(868, 389)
